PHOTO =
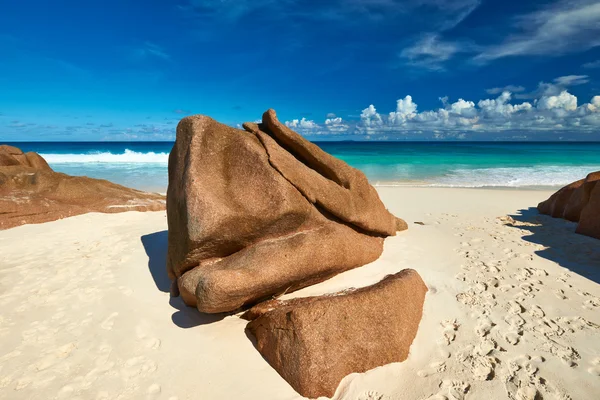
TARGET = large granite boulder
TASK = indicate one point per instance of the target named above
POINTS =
(577, 202)
(259, 212)
(314, 342)
(589, 220)
(31, 192)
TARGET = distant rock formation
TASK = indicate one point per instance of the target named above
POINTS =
(314, 342)
(577, 202)
(31, 192)
(263, 211)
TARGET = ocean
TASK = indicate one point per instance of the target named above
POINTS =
(535, 165)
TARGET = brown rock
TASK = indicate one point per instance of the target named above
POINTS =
(589, 221)
(252, 214)
(555, 205)
(314, 342)
(30, 192)
(578, 202)
(580, 197)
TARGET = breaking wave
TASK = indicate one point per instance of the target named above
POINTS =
(127, 157)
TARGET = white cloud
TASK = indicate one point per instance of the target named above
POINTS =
(565, 27)
(500, 106)
(430, 52)
(508, 88)
(564, 101)
(336, 125)
(301, 124)
(592, 64)
(405, 110)
(370, 118)
(571, 80)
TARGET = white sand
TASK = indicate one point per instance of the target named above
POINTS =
(512, 309)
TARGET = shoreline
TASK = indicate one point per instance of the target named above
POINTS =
(87, 313)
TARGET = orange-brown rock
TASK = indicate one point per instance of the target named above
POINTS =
(589, 220)
(10, 155)
(31, 192)
(580, 197)
(259, 212)
(577, 202)
(314, 342)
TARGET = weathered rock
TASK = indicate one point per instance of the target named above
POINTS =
(589, 221)
(314, 342)
(580, 197)
(259, 212)
(577, 202)
(30, 192)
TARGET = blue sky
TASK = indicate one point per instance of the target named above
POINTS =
(342, 69)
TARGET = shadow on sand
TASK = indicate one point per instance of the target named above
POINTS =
(578, 253)
(155, 245)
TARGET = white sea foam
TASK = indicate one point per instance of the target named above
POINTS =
(549, 176)
(127, 157)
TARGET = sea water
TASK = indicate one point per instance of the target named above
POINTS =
(143, 165)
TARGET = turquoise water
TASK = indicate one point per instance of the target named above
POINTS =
(143, 165)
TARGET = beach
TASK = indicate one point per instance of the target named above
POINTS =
(513, 309)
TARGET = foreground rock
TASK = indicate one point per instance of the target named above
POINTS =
(314, 342)
(577, 202)
(31, 192)
(259, 212)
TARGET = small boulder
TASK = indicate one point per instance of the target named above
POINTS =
(314, 342)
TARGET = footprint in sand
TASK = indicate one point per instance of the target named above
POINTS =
(449, 328)
(514, 307)
(372, 395)
(483, 327)
(138, 366)
(560, 294)
(454, 389)
(153, 391)
(536, 311)
(481, 367)
(109, 322)
(433, 368)
(595, 368)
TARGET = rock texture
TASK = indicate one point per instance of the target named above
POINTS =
(577, 202)
(263, 211)
(31, 192)
(314, 342)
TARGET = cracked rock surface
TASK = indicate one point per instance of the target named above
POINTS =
(257, 212)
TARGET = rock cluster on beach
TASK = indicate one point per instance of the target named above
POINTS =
(259, 212)
(577, 202)
(31, 192)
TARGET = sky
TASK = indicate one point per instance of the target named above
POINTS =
(332, 69)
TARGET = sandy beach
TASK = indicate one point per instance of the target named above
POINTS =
(513, 309)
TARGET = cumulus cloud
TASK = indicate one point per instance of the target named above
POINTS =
(564, 101)
(336, 125)
(302, 124)
(405, 110)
